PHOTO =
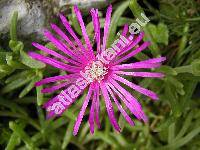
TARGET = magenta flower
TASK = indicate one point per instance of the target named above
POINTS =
(99, 69)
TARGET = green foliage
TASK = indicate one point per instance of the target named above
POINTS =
(159, 33)
(115, 18)
(13, 28)
(173, 123)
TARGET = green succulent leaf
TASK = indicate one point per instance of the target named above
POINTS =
(28, 61)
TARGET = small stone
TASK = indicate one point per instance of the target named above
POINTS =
(31, 17)
(82, 4)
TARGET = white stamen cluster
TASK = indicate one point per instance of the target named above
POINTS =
(95, 71)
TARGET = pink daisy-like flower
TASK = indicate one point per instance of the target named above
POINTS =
(99, 69)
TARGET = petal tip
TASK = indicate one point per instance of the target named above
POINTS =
(30, 53)
(37, 84)
(75, 132)
(34, 44)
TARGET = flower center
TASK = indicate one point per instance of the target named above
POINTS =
(95, 71)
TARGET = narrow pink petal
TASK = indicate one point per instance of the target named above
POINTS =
(54, 63)
(96, 24)
(85, 35)
(137, 87)
(63, 35)
(53, 53)
(71, 67)
(61, 46)
(56, 78)
(106, 27)
(98, 38)
(70, 30)
(119, 106)
(77, 52)
(55, 87)
(52, 101)
(133, 53)
(81, 113)
(154, 60)
(91, 116)
(150, 63)
(130, 102)
(125, 29)
(56, 98)
(97, 106)
(141, 74)
(136, 66)
(132, 44)
(109, 107)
